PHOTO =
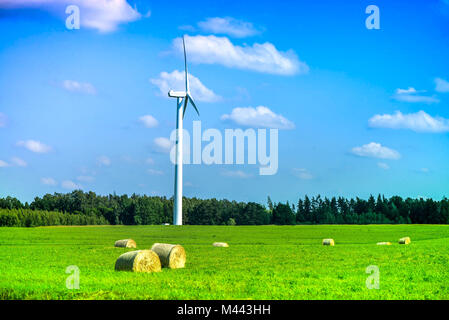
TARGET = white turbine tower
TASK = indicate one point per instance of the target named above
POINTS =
(183, 98)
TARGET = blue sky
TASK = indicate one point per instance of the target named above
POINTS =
(84, 108)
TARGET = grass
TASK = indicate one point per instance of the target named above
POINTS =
(262, 262)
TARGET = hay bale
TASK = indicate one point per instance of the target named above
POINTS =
(126, 243)
(384, 243)
(138, 261)
(172, 256)
(220, 244)
(328, 242)
(405, 240)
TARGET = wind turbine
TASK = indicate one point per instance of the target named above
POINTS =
(182, 100)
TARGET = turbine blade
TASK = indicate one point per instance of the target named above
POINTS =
(193, 103)
(185, 65)
(186, 99)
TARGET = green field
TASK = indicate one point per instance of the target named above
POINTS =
(262, 262)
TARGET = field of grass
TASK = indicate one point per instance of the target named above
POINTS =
(262, 262)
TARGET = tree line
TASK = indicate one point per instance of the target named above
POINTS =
(36, 218)
(80, 208)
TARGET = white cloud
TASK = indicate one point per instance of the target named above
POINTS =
(70, 185)
(128, 159)
(154, 172)
(3, 164)
(424, 170)
(102, 15)
(187, 28)
(302, 173)
(87, 172)
(258, 117)
(230, 26)
(410, 90)
(34, 146)
(163, 145)
(15, 161)
(2, 120)
(376, 150)
(18, 162)
(441, 85)
(148, 121)
(85, 178)
(103, 161)
(412, 95)
(383, 165)
(149, 161)
(235, 174)
(49, 181)
(176, 81)
(258, 57)
(79, 87)
(419, 122)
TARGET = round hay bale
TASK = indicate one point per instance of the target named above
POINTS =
(138, 261)
(405, 240)
(220, 244)
(384, 243)
(126, 243)
(172, 256)
(328, 242)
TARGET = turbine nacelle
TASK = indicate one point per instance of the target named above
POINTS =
(177, 94)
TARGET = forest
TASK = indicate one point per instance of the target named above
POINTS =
(87, 208)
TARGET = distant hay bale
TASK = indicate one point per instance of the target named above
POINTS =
(384, 243)
(328, 242)
(138, 261)
(172, 256)
(405, 240)
(220, 244)
(126, 243)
